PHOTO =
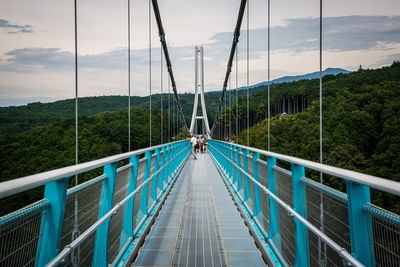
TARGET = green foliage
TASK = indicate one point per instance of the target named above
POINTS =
(44, 148)
(361, 126)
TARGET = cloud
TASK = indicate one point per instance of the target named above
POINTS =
(15, 28)
(298, 35)
(347, 41)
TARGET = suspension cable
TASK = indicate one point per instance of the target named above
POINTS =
(224, 130)
(75, 258)
(248, 75)
(161, 71)
(232, 53)
(76, 89)
(269, 78)
(230, 107)
(322, 262)
(129, 77)
(237, 99)
(320, 85)
(150, 69)
(161, 33)
(169, 113)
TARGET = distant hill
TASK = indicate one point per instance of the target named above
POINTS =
(309, 76)
(17, 119)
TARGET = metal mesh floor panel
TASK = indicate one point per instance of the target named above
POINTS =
(199, 225)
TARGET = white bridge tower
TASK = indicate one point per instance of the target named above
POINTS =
(199, 90)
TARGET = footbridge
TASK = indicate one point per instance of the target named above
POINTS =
(234, 205)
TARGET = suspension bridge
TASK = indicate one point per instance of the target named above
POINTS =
(233, 206)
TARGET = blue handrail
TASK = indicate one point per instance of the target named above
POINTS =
(53, 206)
(362, 216)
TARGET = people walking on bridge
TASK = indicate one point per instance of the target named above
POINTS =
(193, 141)
(201, 140)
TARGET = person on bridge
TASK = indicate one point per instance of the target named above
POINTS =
(193, 141)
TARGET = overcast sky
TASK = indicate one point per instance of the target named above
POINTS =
(37, 43)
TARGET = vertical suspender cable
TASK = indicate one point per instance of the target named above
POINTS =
(129, 76)
(320, 85)
(150, 71)
(75, 232)
(322, 261)
(169, 114)
(225, 130)
(230, 107)
(248, 82)
(269, 78)
(76, 90)
(161, 71)
(236, 99)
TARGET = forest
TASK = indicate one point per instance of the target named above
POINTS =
(361, 124)
(361, 127)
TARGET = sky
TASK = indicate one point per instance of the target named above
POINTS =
(37, 43)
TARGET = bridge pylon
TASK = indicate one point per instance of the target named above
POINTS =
(199, 90)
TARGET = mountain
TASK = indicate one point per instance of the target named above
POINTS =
(17, 119)
(309, 76)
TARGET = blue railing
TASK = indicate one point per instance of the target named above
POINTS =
(300, 222)
(99, 222)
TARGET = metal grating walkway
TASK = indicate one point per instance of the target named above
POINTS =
(199, 224)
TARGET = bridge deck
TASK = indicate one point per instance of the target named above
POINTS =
(199, 224)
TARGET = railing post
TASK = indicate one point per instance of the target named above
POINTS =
(246, 178)
(49, 240)
(100, 254)
(360, 223)
(239, 173)
(127, 231)
(143, 201)
(273, 231)
(154, 184)
(168, 168)
(173, 163)
(257, 200)
(161, 178)
(221, 158)
(299, 198)
(231, 168)
(235, 171)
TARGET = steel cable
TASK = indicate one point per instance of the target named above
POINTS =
(248, 75)
(161, 71)
(269, 72)
(75, 232)
(150, 72)
(161, 33)
(229, 67)
(129, 77)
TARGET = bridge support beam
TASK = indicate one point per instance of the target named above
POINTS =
(145, 189)
(52, 222)
(235, 170)
(161, 176)
(239, 173)
(154, 184)
(257, 199)
(127, 231)
(360, 223)
(274, 235)
(246, 179)
(100, 254)
(299, 199)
